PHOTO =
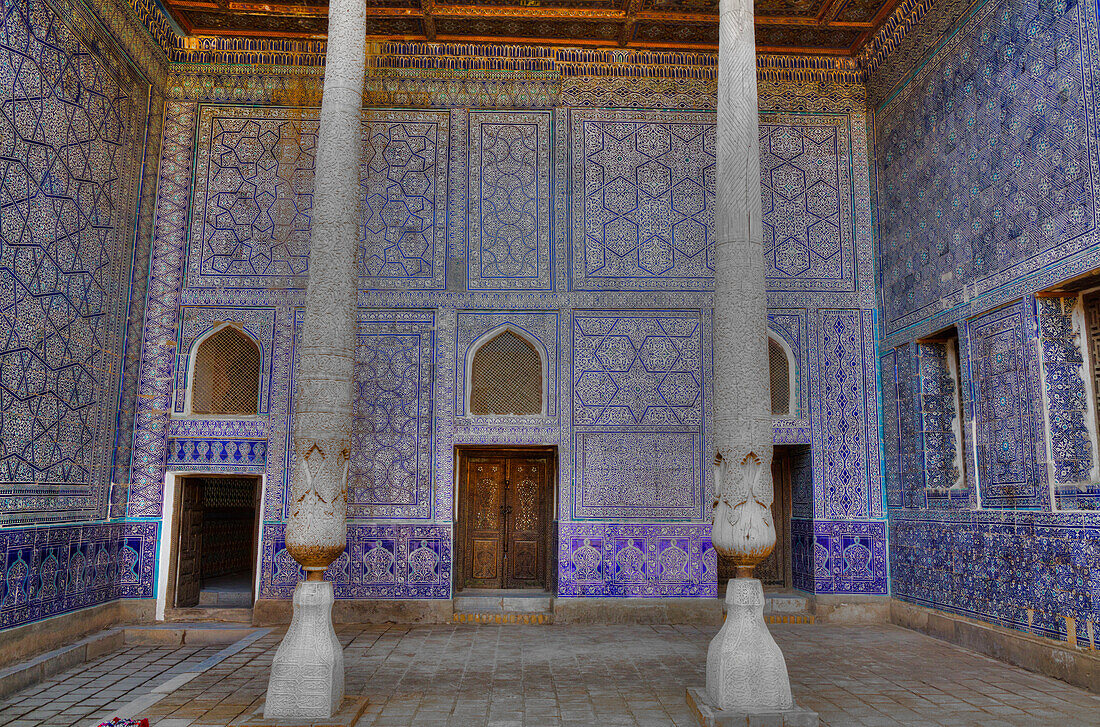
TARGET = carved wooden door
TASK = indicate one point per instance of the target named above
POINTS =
(523, 552)
(484, 546)
(505, 522)
(189, 558)
(775, 570)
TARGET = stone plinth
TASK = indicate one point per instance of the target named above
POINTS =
(351, 709)
(710, 716)
(307, 675)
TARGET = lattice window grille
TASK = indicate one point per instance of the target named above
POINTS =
(226, 377)
(506, 377)
(780, 379)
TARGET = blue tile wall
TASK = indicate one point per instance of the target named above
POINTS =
(77, 121)
(940, 448)
(629, 364)
(52, 570)
(986, 157)
(986, 163)
(72, 148)
(1022, 570)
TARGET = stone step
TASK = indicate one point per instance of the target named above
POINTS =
(528, 606)
(784, 607)
(522, 619)
(175, 634)
(209, 614)
(225, 599)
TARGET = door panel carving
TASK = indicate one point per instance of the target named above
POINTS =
(189, 559)
(505, 516)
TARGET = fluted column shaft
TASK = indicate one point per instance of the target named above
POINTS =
(307, 673)
(317, 531)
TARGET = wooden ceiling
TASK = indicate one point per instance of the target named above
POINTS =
(834, 27)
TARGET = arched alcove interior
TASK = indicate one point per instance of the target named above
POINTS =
(225, 377)
(506, 374)
(783, 371)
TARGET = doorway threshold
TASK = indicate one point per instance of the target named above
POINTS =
(528, 606)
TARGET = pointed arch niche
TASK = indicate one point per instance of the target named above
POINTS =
(506, 369)
(224, 373)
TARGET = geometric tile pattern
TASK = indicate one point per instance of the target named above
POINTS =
(1067, 403)
(940, 415)
(642, 190)
(636, 560)
(805, 181)
(380, 561)
(846, 399)
(1023, 570)
(640, 369)
(71, 135)
(392, 433)
(638, 475)
(254, 196)
(509, 247)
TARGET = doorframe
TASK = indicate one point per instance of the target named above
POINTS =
(168, 547)
(550, 518)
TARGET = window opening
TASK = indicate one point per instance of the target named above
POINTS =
(780, 378)
(506, 377)
(226, 378)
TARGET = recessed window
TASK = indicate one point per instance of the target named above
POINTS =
(226, 377)
(780, 377)
(506, 377)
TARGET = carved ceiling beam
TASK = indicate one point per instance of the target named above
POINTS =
(627, 32)
(805, 23)
(831, 10)
(481, 11)
(428, 7)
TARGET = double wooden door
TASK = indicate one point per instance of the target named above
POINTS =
(505, 520)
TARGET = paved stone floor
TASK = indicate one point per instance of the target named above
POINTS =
(584, 676)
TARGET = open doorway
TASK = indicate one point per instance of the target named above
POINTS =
(506, 518)
(216, 547)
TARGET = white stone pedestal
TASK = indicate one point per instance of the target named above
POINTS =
(307, 676)
(746, 672)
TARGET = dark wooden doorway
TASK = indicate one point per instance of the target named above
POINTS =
(217, 537)
(775, 570)
(505, 517)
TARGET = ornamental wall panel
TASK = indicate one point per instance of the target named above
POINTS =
(74, 120)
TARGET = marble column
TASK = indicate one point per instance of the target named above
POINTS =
(745, 668)
(307, 676)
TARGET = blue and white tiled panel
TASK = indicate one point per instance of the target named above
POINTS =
(379, 562)
(839, 557)
(636, 560)
(994, 223)
(1067, 399)
(1027, 571)
(52, 570)
(217, 455)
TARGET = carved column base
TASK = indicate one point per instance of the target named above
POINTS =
(746, 671)
(307, 676)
